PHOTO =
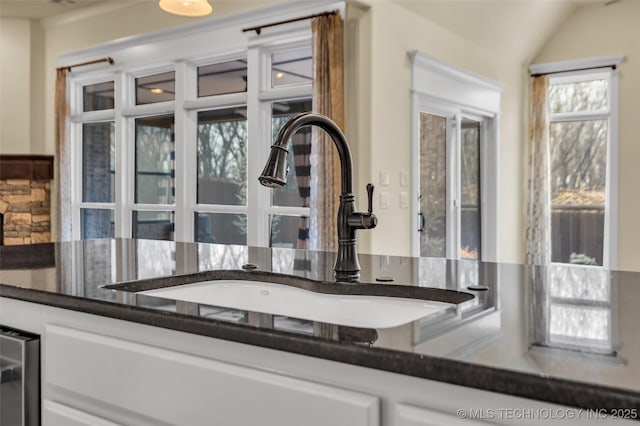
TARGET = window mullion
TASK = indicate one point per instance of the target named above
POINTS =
(257, 113)
(453, 187)
(183, 142)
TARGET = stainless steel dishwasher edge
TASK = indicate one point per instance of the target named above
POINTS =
(19, 378)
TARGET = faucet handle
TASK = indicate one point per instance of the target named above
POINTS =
(370, 188)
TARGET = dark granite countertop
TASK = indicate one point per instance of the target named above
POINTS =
(562, 334)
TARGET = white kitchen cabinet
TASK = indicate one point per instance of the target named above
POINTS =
(159, 386)
(102, 371)
(407, 415)
(54, 414)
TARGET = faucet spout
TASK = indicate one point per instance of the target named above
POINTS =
(274, 175)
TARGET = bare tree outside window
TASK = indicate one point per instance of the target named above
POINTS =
(578, 171)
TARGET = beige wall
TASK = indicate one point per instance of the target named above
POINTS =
(598, 31)
(15, 86)
(395, 31)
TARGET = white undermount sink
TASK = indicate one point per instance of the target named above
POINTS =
(278, 299)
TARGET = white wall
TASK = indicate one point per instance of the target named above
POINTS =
(597, 31)
(15, 86)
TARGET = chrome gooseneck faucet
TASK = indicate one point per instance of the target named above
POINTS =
(349, 220)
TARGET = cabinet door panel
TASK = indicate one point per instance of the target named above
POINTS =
(54, 414)
(178, 388)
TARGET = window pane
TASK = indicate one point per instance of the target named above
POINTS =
(293, 66)
(470, 190)
(433, 185)
(578, 182)
(98, 162)
(219, 79)
(580, 96)
(156, 88)
(154, 160)
(287, 230)
(152, 225)
(296, 192)
(221, 228)
(222, 156)
(97, 96)
(97, 223)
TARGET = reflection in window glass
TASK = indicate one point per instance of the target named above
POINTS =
(98, 162)
(578, 96)
(99, 268)
(97, 223)
(578, 322)
(216, 256)
(223, 78)
(156, 88)
(154, 259)
(433, 185)
(223, 314)
(97, 97)
(296, 192)
(153, 225)
(222, 156)
(287, 230)
(293, 66)
(578, 182)
(221, 228)
(470, 190)
(579, 282)
(154, 160)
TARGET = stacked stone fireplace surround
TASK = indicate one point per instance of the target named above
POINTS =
(25, 198)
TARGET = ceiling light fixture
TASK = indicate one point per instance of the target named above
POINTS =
(279, 75)
(190, 8)
(156, 90)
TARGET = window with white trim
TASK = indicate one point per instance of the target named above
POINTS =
(581, 110)
(454, 151)
(172, 151)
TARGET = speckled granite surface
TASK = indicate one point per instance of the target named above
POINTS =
(562, 334)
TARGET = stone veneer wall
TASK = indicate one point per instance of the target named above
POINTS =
(26, 206)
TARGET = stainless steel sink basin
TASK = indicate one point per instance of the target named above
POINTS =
(277, 299)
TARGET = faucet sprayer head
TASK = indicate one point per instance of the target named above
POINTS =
(275, 171)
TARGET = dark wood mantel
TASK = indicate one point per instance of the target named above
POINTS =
(32, 167)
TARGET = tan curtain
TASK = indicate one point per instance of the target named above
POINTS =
(62, 165)
(328, 99)
(539, 205)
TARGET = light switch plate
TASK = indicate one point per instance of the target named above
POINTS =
(404, 200)
(404, 178)
(384, 200)
(384, 178)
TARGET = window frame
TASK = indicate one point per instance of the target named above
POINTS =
(610, 113)
(441, 89)
(183, 49)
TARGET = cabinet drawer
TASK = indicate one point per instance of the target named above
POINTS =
(182, 389)
(408, 415)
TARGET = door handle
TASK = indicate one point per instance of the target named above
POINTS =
(422, 221)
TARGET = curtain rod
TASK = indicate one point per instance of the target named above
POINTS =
(81, 64)
(259, 28)
(575, 69)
